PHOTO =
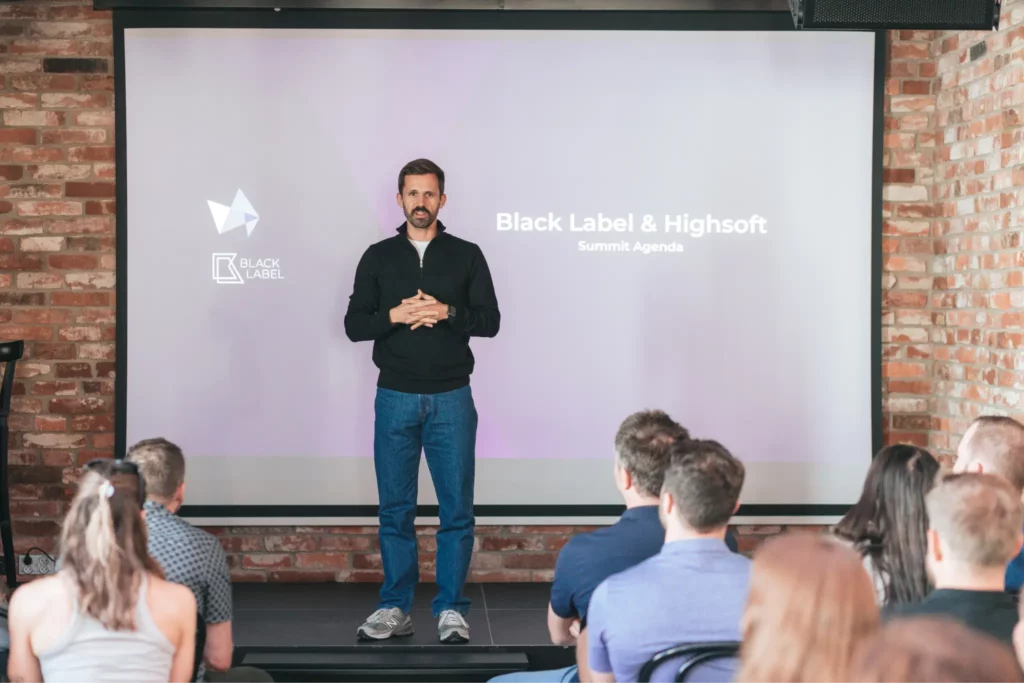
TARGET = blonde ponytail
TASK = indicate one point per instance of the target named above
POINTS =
(103, 547)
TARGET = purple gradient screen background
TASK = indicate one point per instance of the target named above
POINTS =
(762, 342)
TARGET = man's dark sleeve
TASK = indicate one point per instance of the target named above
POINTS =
(363, 322)
(561, 587)
(481, 317)
(730, 541)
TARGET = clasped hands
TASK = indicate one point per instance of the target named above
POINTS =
(421, 310)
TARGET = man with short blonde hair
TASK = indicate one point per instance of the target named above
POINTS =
(974, 529)
(189, 556)
(994, 444)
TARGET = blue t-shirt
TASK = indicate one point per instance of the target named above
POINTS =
(588, 559)
(692, 591)
(1015, 574)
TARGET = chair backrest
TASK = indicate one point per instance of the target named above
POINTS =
(200, 646)
(692, 655)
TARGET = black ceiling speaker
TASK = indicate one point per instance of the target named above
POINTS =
(979, 15)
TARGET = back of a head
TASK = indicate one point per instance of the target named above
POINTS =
(996, 444)
(933, 650)
(811, 603)
(890, 523)
(978, 518)
(642, 447)
(162, 465)
(705, 482)
(103, 545)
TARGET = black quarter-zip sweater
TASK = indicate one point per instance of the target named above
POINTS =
(427, 360)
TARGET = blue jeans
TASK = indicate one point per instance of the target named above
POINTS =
(443, 426)
(566, 675)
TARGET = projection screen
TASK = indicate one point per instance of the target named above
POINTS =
(674, 219)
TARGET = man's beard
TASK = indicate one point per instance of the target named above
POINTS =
(421, 220)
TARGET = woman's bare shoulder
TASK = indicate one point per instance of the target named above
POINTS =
(35, 597)
(173, 597)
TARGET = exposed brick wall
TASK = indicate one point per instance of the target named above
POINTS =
(952, 297)
(954, 270)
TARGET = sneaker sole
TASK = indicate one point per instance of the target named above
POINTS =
(454, 637)
(400, 633)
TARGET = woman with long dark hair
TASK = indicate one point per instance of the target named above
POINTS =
(107, 615)
(888, 526)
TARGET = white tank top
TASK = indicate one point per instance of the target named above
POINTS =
(87, 651)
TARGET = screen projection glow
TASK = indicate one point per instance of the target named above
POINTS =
(675, 220)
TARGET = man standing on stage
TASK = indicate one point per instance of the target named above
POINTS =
(420, 296)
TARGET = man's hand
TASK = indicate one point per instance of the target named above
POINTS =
(419, 311)
(574, 628)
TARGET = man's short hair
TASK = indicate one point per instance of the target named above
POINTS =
(705, 480)
(421, 167)
(162, 465)
(642, 445)
(978, 517)
(997, 442)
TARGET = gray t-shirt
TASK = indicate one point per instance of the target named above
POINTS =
(691, 592)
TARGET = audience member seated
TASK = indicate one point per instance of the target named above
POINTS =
(933, 650)
(888, 526)
(693, 590)
(974, 530)
(641, 456)
(995, 445)
(107, 614)
(189, 556)
(811, 605)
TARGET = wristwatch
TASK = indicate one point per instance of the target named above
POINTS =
(451, 311)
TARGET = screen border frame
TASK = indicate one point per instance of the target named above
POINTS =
(532, 20)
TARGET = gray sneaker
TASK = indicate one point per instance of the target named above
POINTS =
(452, 627)
(385, 623)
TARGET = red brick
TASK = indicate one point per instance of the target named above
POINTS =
(327, 561)
(33, 119)
(100, 208)
(26, 332)
(18, 136)
(61, 351)
(289, 544)
(41, 527)
(105, 370)
(95, 100)
(41, 316)
(242, 576)
(11, 172)
(20, 262)
(80, 299)
(96, 351)
(89, 189)
(530, 560)
(103, 441)
(73, 261)
(78, 406)
(78, 154)
(72, 136)
(95, 423)
(266, 561)
(94, 316)
(44, 82)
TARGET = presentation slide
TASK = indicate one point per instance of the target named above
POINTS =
(673, 220)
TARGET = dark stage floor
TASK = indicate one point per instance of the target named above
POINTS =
(307, 632)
